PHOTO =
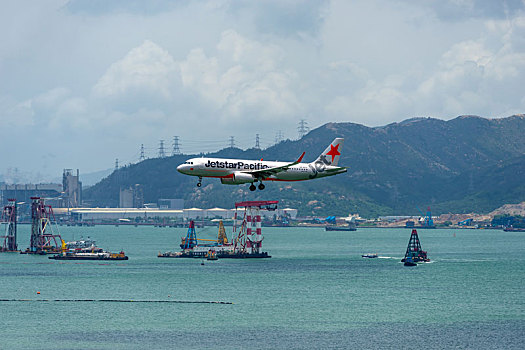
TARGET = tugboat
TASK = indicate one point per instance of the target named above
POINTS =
(409, 262)
(414, 253)
(212, 255)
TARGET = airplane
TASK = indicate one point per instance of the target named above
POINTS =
(240, 171)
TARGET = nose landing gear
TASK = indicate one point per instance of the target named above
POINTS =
(199, 184)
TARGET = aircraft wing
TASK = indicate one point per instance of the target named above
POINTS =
(262, 173)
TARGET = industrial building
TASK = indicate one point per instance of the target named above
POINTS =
(72, 189)
(68, 194)
(131, 197)
(24, 192)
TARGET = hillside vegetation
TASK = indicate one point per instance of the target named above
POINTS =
(467, 164)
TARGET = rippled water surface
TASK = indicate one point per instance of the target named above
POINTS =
(316, 292)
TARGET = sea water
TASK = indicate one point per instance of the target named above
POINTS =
(316, 292)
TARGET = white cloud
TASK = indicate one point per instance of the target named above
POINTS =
(50, 99)
(243, 79)
(147, 68)
(109, 77)
(15, 114)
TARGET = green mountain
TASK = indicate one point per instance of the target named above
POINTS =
(468, 164)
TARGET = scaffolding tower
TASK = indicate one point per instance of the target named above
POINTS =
(9, 220)
(43, 240)
(414, 252)
(191, 237)
(222, 238)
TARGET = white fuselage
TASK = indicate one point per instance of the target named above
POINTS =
(227, 168)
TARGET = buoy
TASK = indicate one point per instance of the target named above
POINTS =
(37, 292)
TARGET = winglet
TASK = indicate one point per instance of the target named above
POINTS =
(300, 158)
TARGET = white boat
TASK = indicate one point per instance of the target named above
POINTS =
(81, 244)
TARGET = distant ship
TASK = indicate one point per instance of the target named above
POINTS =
(340, 228)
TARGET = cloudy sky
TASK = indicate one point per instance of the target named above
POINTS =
(83, 82)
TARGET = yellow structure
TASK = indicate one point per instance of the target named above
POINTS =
(222, 238)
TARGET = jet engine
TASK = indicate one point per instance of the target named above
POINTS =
(238, 178)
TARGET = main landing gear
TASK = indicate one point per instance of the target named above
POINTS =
(261, 187)
(199, 184)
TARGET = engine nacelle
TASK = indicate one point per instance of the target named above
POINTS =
(238, 178)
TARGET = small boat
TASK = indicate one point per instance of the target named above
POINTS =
(211, 255)
(369, 255)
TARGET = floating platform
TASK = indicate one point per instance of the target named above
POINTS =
(40, 252)
(245, 256)
(219, 255)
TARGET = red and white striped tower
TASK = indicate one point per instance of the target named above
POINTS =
(249, 238)
(258, 231)
(252, 239)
